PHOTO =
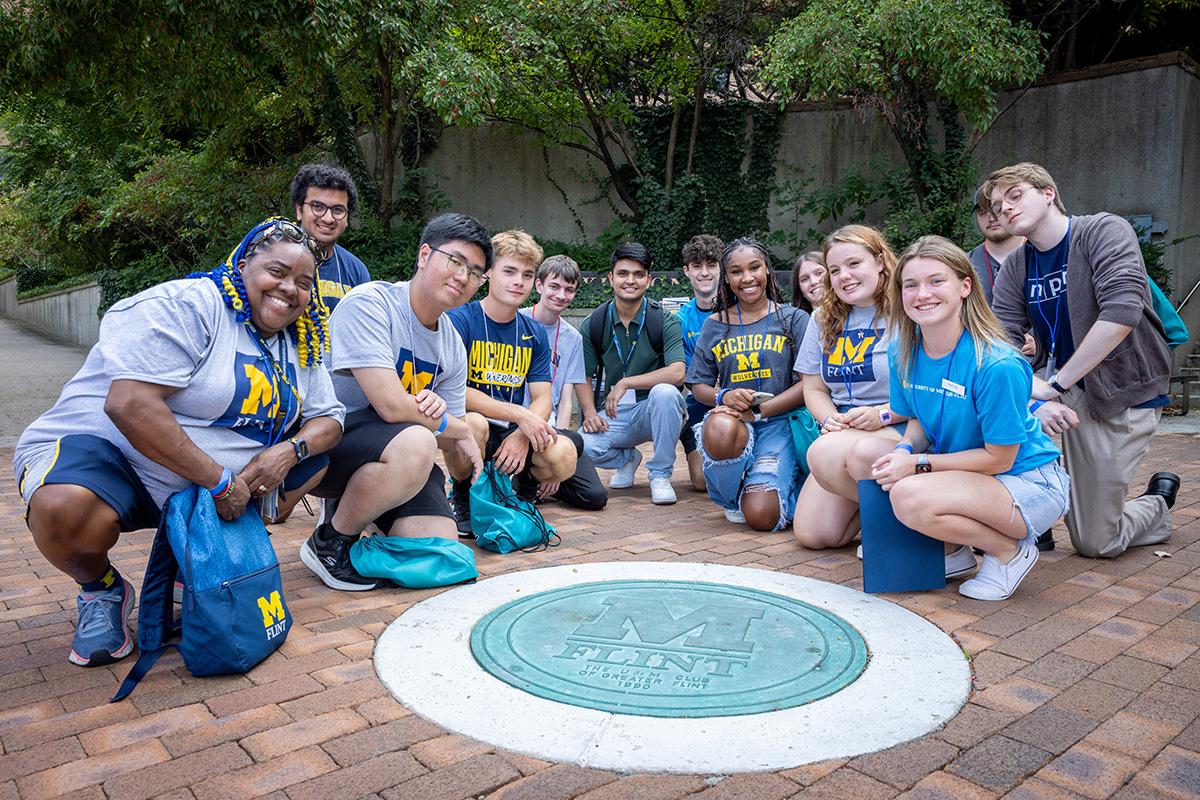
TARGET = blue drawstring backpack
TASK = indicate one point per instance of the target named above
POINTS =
(504, 522)
(415, 563)
(233, 614)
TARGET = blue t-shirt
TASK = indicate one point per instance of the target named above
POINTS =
(502, 357)
(1046, 296)
(691, 320)
(338, 274)
(962, 406)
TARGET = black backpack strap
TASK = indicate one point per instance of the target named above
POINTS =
(654, 329)
(596, 334)
(156, 611)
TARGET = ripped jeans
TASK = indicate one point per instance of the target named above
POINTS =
(768, 461)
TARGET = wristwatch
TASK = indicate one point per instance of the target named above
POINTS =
(1055, 385)
(885, 417)
(301, 448)
(923, 464)
(756, 411)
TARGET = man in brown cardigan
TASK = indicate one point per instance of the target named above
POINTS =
(1081, 285)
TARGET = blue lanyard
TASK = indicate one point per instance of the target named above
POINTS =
(277, 373)
(912, 388)
(1037, 276)
(613, 322)
(742, 332)
(845, 338)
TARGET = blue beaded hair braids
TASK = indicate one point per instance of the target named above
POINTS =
(311, 332)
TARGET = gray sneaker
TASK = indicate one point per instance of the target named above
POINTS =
(102, 633)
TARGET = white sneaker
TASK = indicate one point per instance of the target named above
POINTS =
(623, 478)
(661, 493)
(960, 562)
(735, 516)
(859, 552)
(997, 581)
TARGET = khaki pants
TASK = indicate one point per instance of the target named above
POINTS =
(1102, 456)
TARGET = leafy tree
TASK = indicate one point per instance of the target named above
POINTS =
(913, 61)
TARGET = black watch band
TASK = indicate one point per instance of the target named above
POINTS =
(1056, 386)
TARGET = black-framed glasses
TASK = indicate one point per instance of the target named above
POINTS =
(1012, 197)
(318, 208)
(294, 233)
(474, 274)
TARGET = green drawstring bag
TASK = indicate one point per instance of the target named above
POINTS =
(418, 563)
(805, 431)
(503, 522)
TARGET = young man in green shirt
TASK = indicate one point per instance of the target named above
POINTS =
(643, 370)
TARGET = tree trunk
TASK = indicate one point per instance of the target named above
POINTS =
(669, 176)
(699, 105)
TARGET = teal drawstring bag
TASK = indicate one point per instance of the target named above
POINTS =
(1174, 331)
(805, 431)
(417, 563)
(503, 522)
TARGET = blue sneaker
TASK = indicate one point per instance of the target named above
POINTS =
(102, 634)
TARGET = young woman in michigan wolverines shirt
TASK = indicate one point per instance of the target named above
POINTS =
(743, 367)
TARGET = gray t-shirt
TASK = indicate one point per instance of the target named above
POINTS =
(374, 326)
(856, 372)
(566, 355)
(181, 334)
(756, 356)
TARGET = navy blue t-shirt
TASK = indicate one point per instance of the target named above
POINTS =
(502, 357)
(1046, 296)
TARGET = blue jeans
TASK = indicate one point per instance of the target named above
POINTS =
(657, 419)
(768, 459)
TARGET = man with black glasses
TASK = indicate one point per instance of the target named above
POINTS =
(325, 197)
(400, 369)
(1080, 283)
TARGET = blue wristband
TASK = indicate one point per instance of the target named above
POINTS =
(720, 392)
(1035, 405)
(442, 427)
(221, 489)
(904, 446)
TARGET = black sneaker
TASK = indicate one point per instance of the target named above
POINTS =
(328, 556)
(460, 503)
(525, 486)
(1045, 541)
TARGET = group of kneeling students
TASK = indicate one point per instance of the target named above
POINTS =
(285, 371)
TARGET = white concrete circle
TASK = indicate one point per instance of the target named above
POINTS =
(917, 679)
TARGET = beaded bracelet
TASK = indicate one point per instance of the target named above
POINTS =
(225, 487)
(442, 427)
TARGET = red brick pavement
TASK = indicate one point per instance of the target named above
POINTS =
(1087, 681)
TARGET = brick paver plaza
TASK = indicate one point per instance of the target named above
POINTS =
(1087, 681)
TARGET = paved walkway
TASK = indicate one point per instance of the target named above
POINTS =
(1087, 681)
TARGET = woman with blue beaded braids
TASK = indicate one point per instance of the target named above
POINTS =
(203, 380)
(974, 468)
(742, 366)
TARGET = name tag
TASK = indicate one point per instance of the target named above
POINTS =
(953, 388)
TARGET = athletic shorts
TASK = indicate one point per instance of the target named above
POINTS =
(99, 465)
(366, 435)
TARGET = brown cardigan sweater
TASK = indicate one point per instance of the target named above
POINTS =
(1106, 280)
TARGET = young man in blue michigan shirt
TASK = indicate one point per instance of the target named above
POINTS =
(508, 356)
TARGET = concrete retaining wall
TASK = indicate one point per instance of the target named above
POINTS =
(70, 314)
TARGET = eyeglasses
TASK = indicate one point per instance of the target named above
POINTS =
(318, 208)
(1012, 197)
(293, 232)
(456, 265)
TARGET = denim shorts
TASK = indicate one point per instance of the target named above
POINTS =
(1042, 495)
(769, 459)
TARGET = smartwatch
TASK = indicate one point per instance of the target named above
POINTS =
(885, 416)
(756, 411)
(301, 448)
(923, 464)
(1055, 385)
